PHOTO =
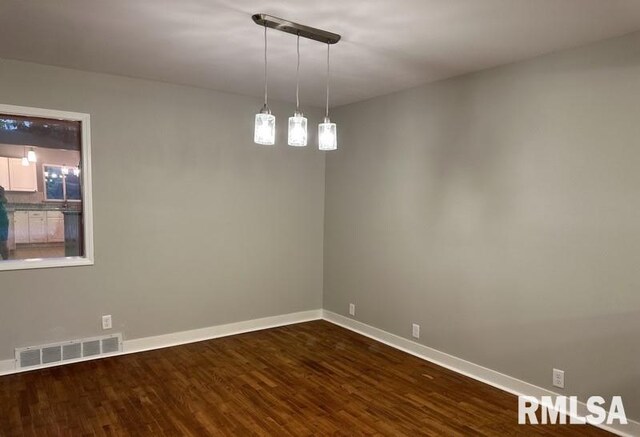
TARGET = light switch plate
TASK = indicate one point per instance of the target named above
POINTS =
(415, 331)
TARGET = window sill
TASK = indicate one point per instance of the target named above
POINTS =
(45, 263)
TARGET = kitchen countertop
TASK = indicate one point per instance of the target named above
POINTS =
(49, 206)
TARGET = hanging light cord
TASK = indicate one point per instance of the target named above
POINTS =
(265, 64)
(327, 111)
(298, 76)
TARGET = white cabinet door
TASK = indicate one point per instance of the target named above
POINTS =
(21, 227)
(22, 178)
(12, 233)
(4, 173)
(55, 227)
(37, 227)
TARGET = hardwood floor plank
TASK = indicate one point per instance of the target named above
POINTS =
(308, 379)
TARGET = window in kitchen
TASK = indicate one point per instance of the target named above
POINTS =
(62, 183)
(45, 189)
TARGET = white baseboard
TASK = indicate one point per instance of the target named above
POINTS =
(8, 367)
(184, 337)
(467, 368)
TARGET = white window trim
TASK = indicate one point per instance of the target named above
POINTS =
(87, 203)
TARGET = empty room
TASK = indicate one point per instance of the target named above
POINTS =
(339, 218)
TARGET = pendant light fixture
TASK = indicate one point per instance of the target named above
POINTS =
(25, 159)
(265, 124)
(298, 123)
(327, 134)
(31, 155)
(297, 132)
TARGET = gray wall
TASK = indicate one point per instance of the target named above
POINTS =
(194, 224)
(501, 212)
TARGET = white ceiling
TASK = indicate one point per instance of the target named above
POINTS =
(387, 45)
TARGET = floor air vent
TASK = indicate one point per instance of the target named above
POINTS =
(69, 351)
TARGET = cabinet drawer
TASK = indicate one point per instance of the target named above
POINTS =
(21, 216)
(55, 215)
(36, 214)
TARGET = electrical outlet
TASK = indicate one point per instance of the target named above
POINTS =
(416, 331)
(106, 322)
(558, 378)
(352, 309)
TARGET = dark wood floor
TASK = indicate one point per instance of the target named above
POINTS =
(308, 379)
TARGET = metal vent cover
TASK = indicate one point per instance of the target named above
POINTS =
(72, 351)
(110, 345)
(53, 354)
(90, 348)
(29, 358)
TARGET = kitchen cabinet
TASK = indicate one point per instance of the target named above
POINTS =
(4, 172)
(21, 227)
(11, 242)
(37, 227)
(22, 178)
(55, 227)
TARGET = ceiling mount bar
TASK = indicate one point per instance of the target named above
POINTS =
(296, 28)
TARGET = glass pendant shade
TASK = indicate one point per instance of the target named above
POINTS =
(31, 156)
(297, 130)
(327, 135)
(265, 128)
(25, 162)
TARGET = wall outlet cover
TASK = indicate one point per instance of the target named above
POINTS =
(558, 378)
(106, 322)
(352, 309)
